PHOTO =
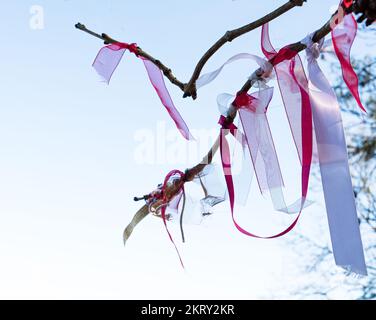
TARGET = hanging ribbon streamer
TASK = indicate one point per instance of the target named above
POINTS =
(293, 85)
(290, 91)
(264, 156)
(174, 202)
(248, 109)
(109, 57)
(343, 36)
(334, 167)
(259, 144)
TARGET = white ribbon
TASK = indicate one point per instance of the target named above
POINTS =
(210, 76)
(261, 151)
(334, 167)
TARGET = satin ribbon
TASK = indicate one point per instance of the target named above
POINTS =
(347, 3)
(109, 57)
(334, 167)
(343, 36)
(138, 217)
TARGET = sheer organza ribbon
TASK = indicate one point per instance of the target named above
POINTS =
(343, 36)
(287, 75)
(109, 57)
(172, 203)
(334, 167)
(260, 146)
(293, 85)
(290, 91)
(292, 80)
(206, 78)
(252, 109)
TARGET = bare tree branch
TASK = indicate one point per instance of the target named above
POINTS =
(190, 88)
(298, 46)
(108, 40)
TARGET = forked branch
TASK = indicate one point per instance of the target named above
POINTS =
(189, 89)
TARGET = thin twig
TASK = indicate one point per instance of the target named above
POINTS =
(189, 89)
(108, 40)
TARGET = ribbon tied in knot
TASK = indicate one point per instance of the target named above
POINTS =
(131, 47)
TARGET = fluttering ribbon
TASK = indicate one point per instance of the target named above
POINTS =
(334, 167)
(260, 146)
(109, 57)
(263, 174)
(206, 78)
(252, 109)
(138, 217)
(290, 91)
(307, 102)
(293, 85)
(174, 202)
(343, 36)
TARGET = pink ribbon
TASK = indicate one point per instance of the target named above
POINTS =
(252, 112)
(175, 203)
(109, 57)
(293, 85)
(343, 36)
(290, 92)
(267, 168)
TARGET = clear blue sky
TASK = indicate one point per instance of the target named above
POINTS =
(68, 152)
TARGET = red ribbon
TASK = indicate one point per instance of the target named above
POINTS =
(343, 39)
(293, 84)
(131, 47)
(243, 99)
(226, 165)
(348, 3)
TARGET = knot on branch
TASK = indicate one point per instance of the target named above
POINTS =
(298, 3)
(228, 36)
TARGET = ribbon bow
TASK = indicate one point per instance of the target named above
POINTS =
(109, 57)
(252, 110)
(131, 47)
